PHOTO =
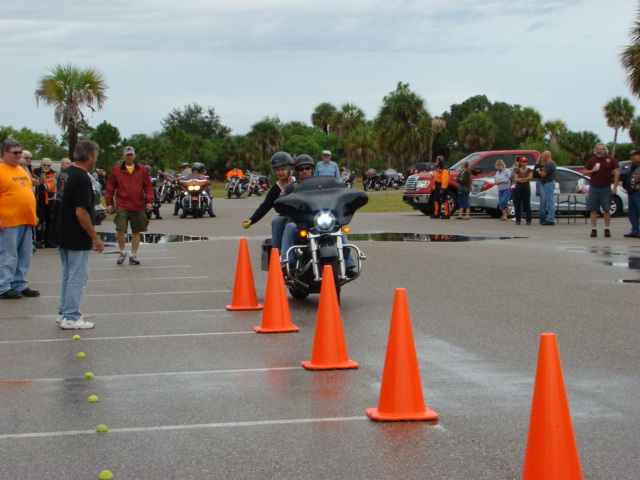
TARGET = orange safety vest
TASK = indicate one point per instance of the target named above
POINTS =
(441, 177)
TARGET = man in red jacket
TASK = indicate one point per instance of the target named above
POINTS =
(130, 184)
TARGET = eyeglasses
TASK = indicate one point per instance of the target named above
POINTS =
(17, 152)
(303, 168)
(46, 164)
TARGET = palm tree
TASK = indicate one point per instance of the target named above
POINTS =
(437, 125)
(267, 134)
(630, 58)
(619, 113)
(68, 89)
(347, 119)
(525, 122)
(359, 146)
(477, 131)
(579, 145)
(634, 131)
(553, 128)
(403, 125)
(322, 116)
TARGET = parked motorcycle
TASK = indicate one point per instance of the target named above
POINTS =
(348, 177)
(371, 180)
(390, 179)
(195, 201)
(321, 207)
(235, 186)
(253, 184)
(166, 189)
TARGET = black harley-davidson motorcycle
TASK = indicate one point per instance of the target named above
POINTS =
(321, 208)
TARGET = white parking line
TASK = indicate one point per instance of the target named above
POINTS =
(128, 337)
(260, 423)
(39, 282)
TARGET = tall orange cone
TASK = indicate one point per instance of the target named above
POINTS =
(552, 452)
(244, 290)
(329, 346)
(275, 316)
(401, 396)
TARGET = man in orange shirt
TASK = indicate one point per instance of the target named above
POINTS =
(17, 217)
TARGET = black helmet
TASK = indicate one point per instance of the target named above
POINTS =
(305, 159)
(198, 167)
(183, 165)
(281, 159)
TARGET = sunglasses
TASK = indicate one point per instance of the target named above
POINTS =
(303, 168)
(17, 152)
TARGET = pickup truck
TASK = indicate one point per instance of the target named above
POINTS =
(419, 187)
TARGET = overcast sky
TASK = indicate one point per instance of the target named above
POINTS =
(252, 58)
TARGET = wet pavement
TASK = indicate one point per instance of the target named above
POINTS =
(189, 391)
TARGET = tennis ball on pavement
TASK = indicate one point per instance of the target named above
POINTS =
(102, 428)
(92, 399)
(246, 224)
(89, 376)
(80, 355)
(75, 337)
(105, 475)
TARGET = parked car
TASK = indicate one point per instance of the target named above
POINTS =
(484, 194)
(625, 166)
(419, 187)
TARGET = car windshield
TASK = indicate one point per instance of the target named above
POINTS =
(471, 158)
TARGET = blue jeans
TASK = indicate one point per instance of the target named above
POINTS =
(289, 240)
(16, 249)
(503, 198)
(634, 212)
(277, 230)
(75, 273)
(547, 202)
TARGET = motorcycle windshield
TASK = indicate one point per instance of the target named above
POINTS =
(321, 194)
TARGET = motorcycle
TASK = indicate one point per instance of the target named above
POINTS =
(195, 201)
(253, 185)
(235, 186)
(263, 183)
(390, 179)
(348, 177)
(371, 180)
(321, 208)
(167, 189)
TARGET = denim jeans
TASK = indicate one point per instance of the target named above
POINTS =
(16, 249)
(547, 202)
(277, 230)
(634, 212)
(75, 273)
(289, 240)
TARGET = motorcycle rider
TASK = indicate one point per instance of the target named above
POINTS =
(198, 171)
(184, 171)
(305, 169)
(155, 208)
(281, 164)
(45, 196)
(441, 181)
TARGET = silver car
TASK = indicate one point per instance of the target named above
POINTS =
(484, 195)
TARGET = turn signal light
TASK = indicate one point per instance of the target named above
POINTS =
(346, 229)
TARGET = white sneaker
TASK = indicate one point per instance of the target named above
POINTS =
(59, 318)
(121, 258)
(79, 324)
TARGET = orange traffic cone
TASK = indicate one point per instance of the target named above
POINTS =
(275, 316)
(244, 290)
(552, 452)
(401, 396)
(329, 346)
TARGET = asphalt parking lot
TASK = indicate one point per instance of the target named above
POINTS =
(188, 390)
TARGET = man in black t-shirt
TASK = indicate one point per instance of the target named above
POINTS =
(76, 235)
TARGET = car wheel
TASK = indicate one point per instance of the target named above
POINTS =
(616, 206)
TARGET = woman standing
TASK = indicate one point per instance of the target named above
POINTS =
(503, 181)
(522, 193)
(464, 189)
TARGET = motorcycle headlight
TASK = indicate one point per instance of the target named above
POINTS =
(324, 221)
(194, 188)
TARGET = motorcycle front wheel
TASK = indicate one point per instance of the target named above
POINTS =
(334, 263)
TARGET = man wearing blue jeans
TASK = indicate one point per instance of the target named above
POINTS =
(76, 235)
(548, 185)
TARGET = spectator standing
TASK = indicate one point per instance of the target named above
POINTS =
(100, 176)
(26, 155)
(547, 186)
(631, 185)
(464, 189)
(17, 219)
(522, 175)
(45, 197)
(503, 182)
(603, 169)
(327, 168)
(129, 194)
(77, 235)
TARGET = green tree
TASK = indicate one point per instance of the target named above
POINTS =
(108, 139)
(39, 144)
(298, 144)
(553, 128)
(579, 145)
(477, 131)
(347, 119)
(69, 89)
(323, 115)
(360, 146)
(403, 126)
(634, 131)
(240, 149)
(195, 120)
(619, 113)
(630, 58)
(525, 122)
(267, 134)
(148, 150)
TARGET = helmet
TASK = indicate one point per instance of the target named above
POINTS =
(184, 165)
(197, 167)
(304, 159)
(281, 159)
(440, 162)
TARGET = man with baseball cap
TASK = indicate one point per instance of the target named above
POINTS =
(631, 185)
(327, 168)
(129, 193)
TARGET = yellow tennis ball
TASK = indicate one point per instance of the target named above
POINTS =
(89, 376)
(80, 355)
(246, 224)
(105, 475)
(75, 337)
(102, 428)
(92, 399)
